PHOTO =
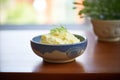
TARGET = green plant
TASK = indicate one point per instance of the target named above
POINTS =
(101, 9)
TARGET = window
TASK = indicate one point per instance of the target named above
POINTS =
(38, 12)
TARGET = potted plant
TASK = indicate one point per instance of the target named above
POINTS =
(105, 17)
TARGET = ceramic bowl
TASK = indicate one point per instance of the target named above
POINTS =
(58, 53)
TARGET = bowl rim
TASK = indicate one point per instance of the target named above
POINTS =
(85, 40)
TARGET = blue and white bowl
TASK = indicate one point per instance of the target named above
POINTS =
(58, 53)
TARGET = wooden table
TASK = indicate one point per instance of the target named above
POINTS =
(100, 61)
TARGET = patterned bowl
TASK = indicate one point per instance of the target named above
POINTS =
(58, 53)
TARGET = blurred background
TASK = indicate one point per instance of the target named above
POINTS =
(39, 12)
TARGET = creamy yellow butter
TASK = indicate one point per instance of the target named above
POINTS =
(59, 35)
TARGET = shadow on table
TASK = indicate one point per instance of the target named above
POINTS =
(71, 67)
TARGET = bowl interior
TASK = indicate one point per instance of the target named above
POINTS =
(37, 39)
